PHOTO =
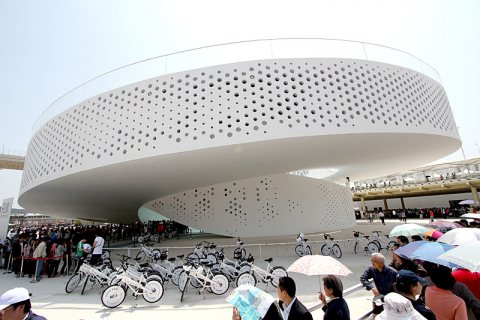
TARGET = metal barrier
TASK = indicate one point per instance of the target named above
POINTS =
(345, 245)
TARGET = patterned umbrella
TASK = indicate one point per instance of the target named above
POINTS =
(318, 265)
(251, 302)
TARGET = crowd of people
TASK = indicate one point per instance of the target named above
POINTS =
(416, 213)
(402, 289)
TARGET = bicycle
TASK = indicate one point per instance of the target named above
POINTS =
(239, 252)
(330, 247)
(232, 269)
(102, 275)
(147, 253)
(207, 252)
(215, 283)
(114, 295)
(268, 275)
(368, 246)
(303, 248)
(379, 241)
(167, 268)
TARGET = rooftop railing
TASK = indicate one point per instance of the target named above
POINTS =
(260, 49)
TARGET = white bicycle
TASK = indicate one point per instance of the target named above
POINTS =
(232, 269)
(215, 283)
(363, 244)
(114, 295)
(200, 252)
(330, 247)
(302, 249)
(382, 242)
(102, 275)
(167, 268)
(147, 253)
(268, 275)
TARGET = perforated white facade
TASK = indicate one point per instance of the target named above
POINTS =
(174, 143)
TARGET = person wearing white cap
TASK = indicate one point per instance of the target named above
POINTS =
(15, 305)
(398, 307)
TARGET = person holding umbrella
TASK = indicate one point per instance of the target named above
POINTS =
(337, 307)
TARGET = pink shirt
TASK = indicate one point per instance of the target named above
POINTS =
(445, 304)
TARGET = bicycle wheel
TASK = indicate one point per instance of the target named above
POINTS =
(156, 254)
(193, 257)
(277, 273)
(244, 268)
(239, 252)
(141, 257)
(73, 265)
(326, 250)
(153, 291)
(195, 283)
(155, 277)
(299, 250)
(379, 245)
(73, 283)
(355, 248)
(246, 278)
(372, 248)
(113, 296)
(219, 284)
(176, 274)
(183, 280)
(212, 258)
(114, 280)
(337, 252)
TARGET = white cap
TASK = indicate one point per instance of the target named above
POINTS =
(398, 307)
(13, 296)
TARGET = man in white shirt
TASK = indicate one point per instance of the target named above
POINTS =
(97, 248)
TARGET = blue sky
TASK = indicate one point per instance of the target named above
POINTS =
(49, 47)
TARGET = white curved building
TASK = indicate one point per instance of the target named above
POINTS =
(209, 144)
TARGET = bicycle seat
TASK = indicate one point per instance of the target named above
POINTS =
(213, 246)
(366, 237)
(137, 259)
(143, 265)
(171, 259)
(207, 263)
(181, 256)
(305, 240)
(268, 260)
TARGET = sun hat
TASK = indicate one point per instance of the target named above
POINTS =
(13, 296)
(398, 307)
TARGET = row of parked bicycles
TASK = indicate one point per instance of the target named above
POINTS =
(363, 243)
(371, 244)
(206, 269)
(328, 248)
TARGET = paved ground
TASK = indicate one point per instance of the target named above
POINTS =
(50, 300)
